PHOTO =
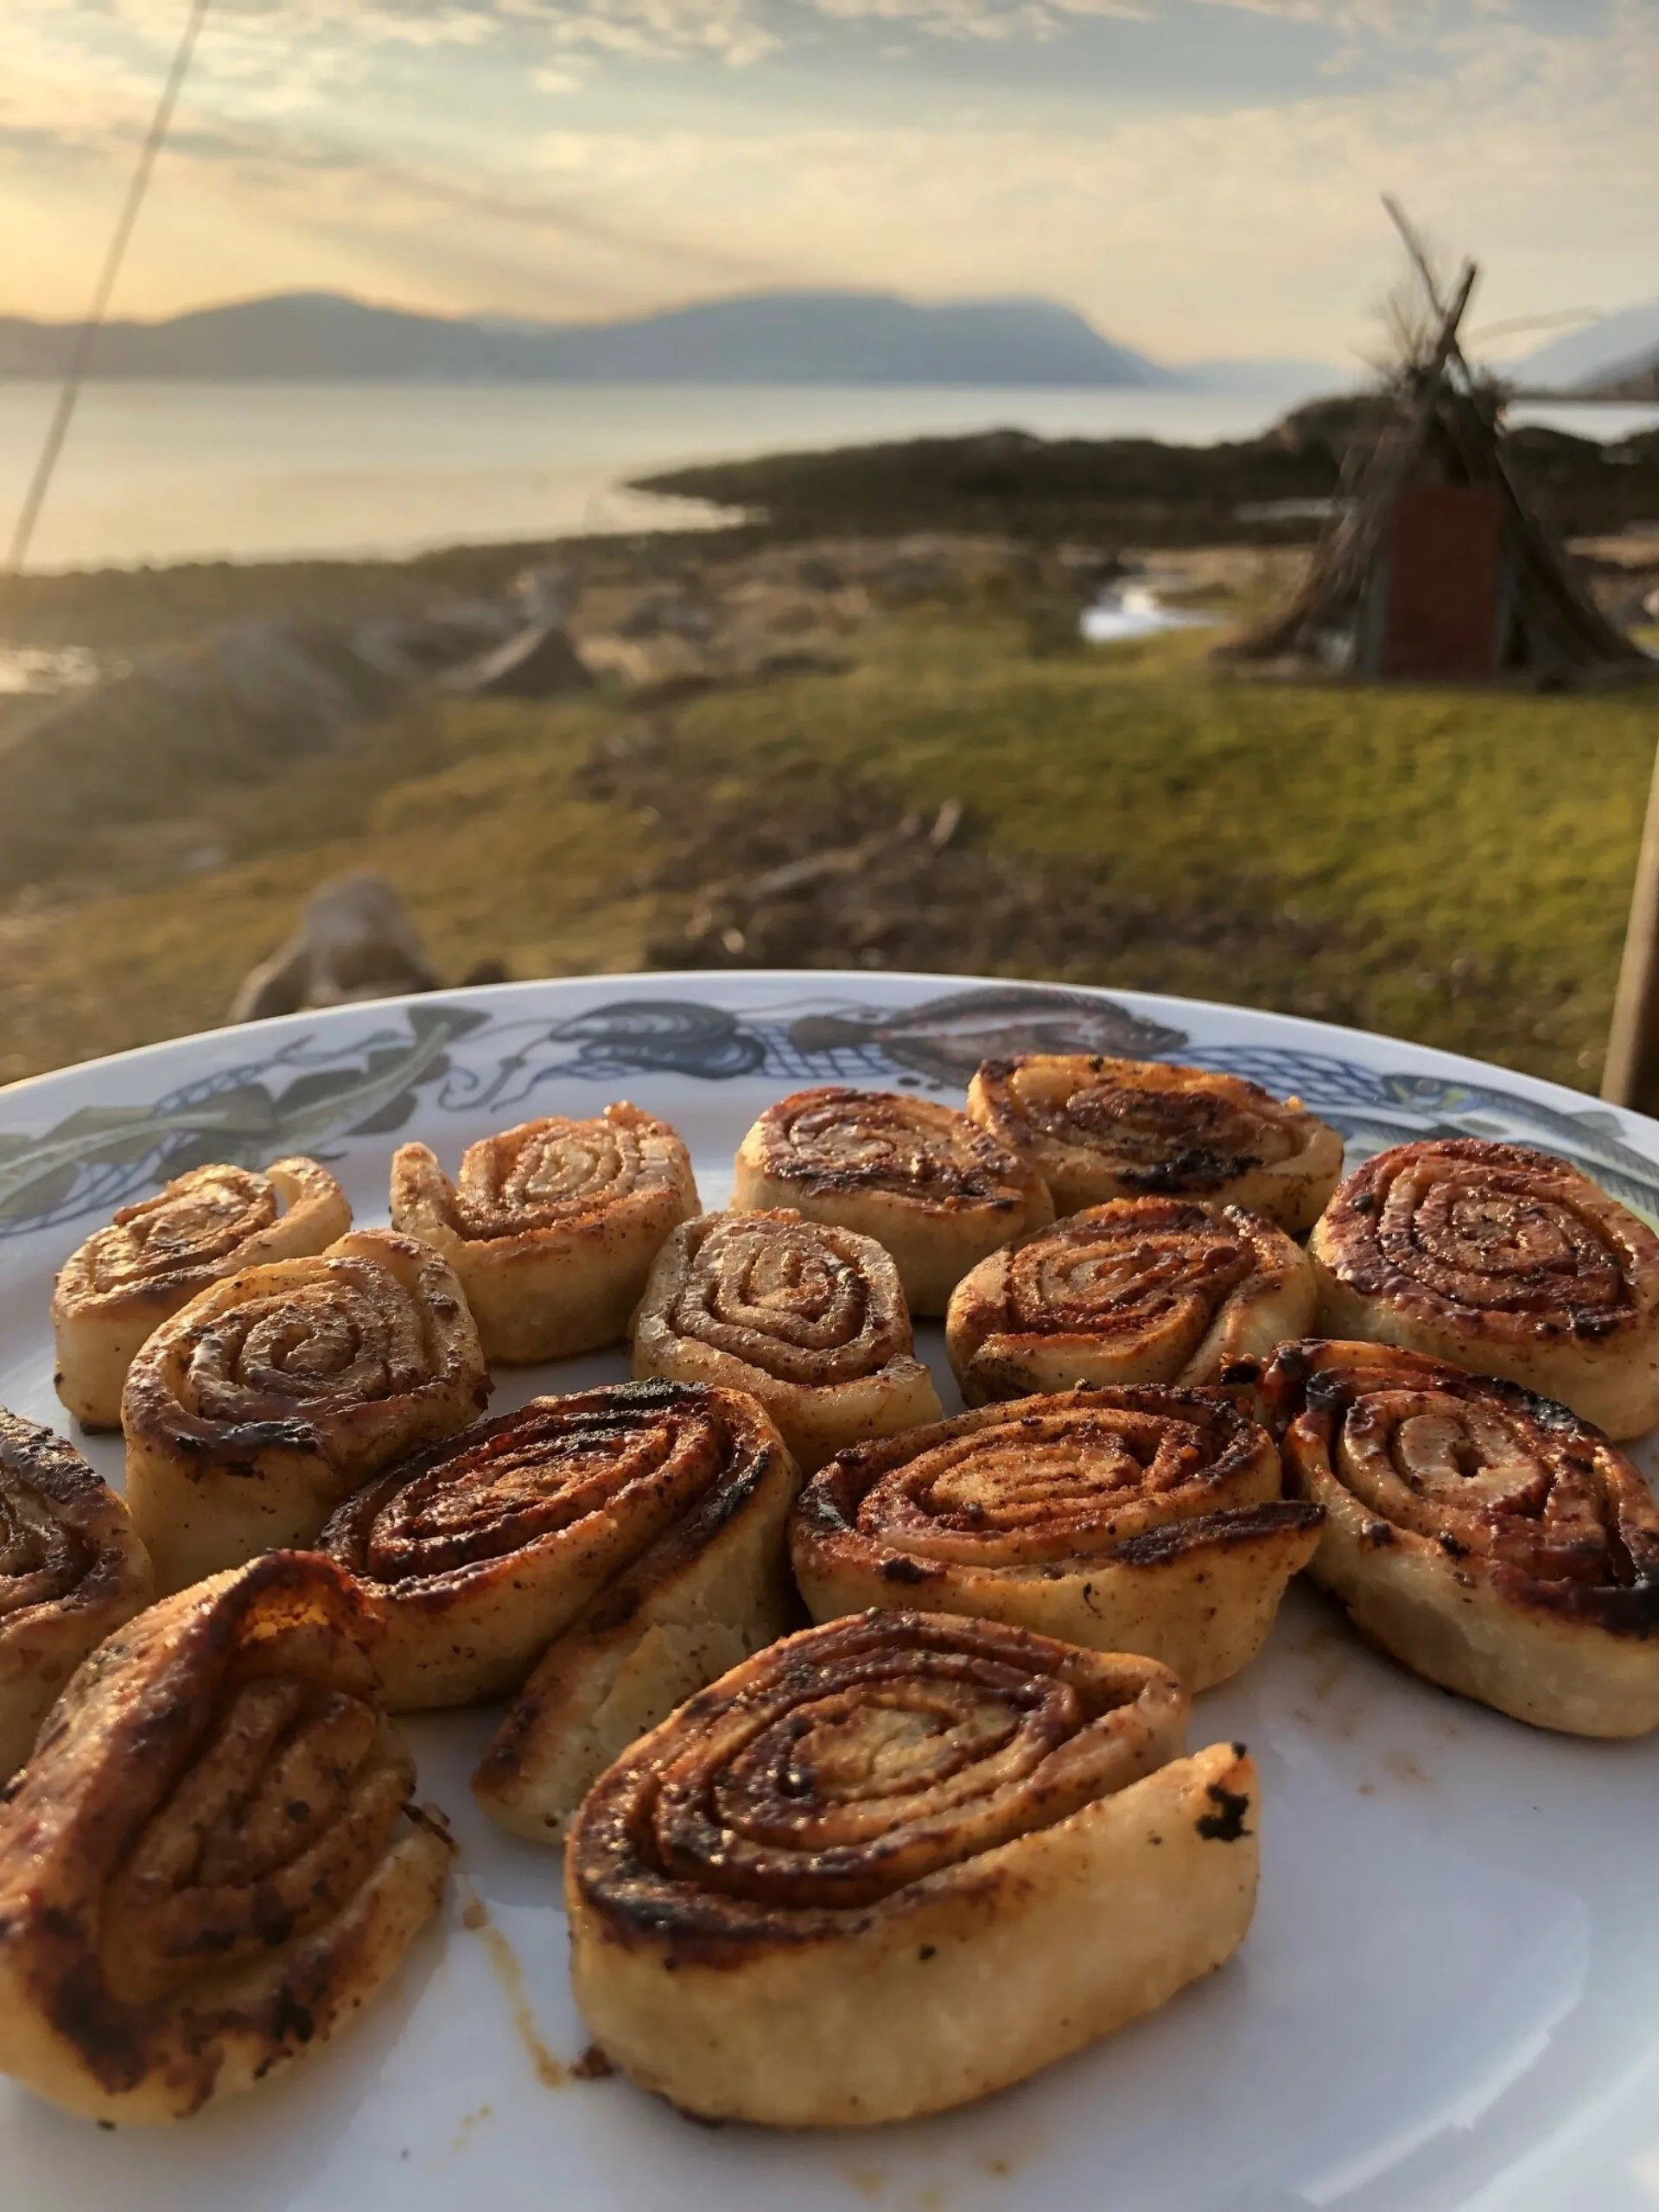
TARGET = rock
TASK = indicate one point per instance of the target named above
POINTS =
(538, 663)
(355, 941)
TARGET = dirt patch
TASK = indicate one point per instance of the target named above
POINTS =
(787, 865)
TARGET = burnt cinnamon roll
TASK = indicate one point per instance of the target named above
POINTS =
(1490, 1538)
(809, 1318)
(72, 1570)
(551, 1226)
(1100, 1129)
(627, 1543)
(896, 1863)
(207, 1867)
(252, 1412)
(935, 1191)
(1505, 1261)
(1147, 1520)
(1139, 1290)
(154, 1257)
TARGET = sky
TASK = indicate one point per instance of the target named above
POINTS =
(1200, 177)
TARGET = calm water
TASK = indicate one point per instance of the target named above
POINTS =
(170, 472)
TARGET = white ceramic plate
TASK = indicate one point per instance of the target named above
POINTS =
(1450, 1993)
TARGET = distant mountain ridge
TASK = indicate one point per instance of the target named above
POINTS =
(1612, 348)
(802, 338)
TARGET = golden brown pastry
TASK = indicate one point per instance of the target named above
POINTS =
(474, 1555)
(1101, 1128)
(207, 1867)
(1489, 1538)
(72, 1570)
(896, 1863)
(807, 1317)
(1139, 1290)
(1505, 1261)
(1142, 1519)
(154, 1257)
(252, 1412)
(551, 1227)
(634, 1535)
(920, 1179)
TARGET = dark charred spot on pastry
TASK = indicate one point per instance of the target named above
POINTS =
(1378, 1534)
(1226, 1823)
(1233, 1524)
(290, 2020)
(1363, 1202)
(1239, 1371)
(999, 1071)
(1454, 1547)
(905, 1571)
(592, 2066)
(928, 1951)
(1194, 1167)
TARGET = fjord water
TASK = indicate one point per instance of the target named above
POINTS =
(184, 470)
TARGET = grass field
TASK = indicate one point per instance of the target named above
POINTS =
(1460, 863)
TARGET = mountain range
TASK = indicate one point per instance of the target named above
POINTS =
(785, 337)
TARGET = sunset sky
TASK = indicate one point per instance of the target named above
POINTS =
(1199, 176)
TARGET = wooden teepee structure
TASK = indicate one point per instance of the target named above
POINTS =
(1435, 562)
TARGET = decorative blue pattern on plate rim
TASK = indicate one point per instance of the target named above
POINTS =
(320, 1091)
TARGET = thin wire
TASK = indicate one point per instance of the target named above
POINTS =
(75, 374)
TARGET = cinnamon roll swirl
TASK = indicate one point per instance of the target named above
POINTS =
(896, 1863)
(552, 1226)
(252, 1412)
(1147, 1520)
(1488, 1538)
(1139, 1290)
(1506, 1261)
(72, 1570)
(206, 1868)
(920, 1179)
(1102, 1128)
(154, 1257)
(809, 1318)
(633, 1536)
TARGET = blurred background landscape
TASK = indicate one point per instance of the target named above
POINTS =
(706, 484)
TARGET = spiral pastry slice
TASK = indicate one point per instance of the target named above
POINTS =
(896, 1863)
(552, 1226)
(72, 1571)
(1490, 1538)
(1139, 1290)
(1145, 1520)
(207, 1867)
(627, 1543)
(809, 1318)
(154, 1257)
(1102, 1128)
(252, 1412)
(1505, 1261)
(935, 1191)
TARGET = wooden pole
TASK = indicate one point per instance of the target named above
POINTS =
(1631, 1076)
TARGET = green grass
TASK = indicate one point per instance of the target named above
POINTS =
(1463, 859)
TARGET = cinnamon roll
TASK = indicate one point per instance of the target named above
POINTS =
(1506, 1261)
(207, 1867)
(633, 1536)
(1490, 1538)
(154, 1257)
(809, 1318)
(1145, 1520)
(252, 1412)
(552, 1226)
(920, 1179)
(1139, 1290)
(72, 1570)
(1102, 1128)
(896, 1863)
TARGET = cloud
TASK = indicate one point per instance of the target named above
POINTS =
(407, 154)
